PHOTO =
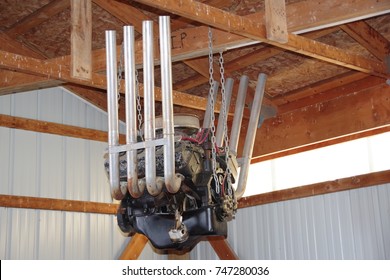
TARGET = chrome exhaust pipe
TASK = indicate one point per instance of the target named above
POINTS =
(222, 118)
(149, 112)
(172, 182)
(250, 136)
(207, 114)
(238, 113)
(117, 192)
(135, 189)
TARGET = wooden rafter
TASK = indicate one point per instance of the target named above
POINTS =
(58, 71)
(195, 43)
(122, 11)
(369, 38)
(242, 61)
(36, 18)
(244, 26)
(328, 89)
(9, 44)
(13, 82)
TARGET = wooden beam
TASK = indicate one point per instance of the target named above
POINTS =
(369, 38)
(122, 11)
(303, 16)
(222, 248)
(55, 128)
(38, 17)
(350, 114)
(57, 204)
(325, 90)
(242, 61)
(254, 30)
(354, 182)
(11, 45)
(59, 71)
(325, 143)
(275, 20)
(81, 39)
(350, 183)
(13, 82)
(134, 248)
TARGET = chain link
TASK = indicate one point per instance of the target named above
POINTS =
(139, 115)
(120, 71)
(212, 122)
(225, 112)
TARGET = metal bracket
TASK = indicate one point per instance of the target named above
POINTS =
(140, 145)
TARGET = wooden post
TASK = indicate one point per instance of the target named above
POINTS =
(222, 248)
(275, 20)
(134, 248)
(81, 39)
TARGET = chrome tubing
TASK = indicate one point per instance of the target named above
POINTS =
(134, 188)
(222, 118)
(149, 112)
(238, 113)
(117, 192)
(251, 135)
(207, 114)
(172, 183)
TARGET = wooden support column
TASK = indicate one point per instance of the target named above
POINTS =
(275, 20)
(81, 39)
(134, 248)
(222, 248)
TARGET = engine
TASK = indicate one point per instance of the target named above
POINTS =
(202, 206)
(175, 182)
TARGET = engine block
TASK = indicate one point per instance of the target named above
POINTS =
(200, 208)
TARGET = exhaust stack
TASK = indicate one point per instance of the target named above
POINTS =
(250, 136)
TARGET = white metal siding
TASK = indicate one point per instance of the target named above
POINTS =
(352, 224)
(43, 165)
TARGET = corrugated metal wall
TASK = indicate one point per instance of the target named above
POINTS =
(352, 224)
(42, 165)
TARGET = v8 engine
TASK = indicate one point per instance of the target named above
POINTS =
(200, 208)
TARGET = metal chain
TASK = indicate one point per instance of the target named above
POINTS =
(225, 112)
(139, 116)
(212, 123)
(120, 71)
